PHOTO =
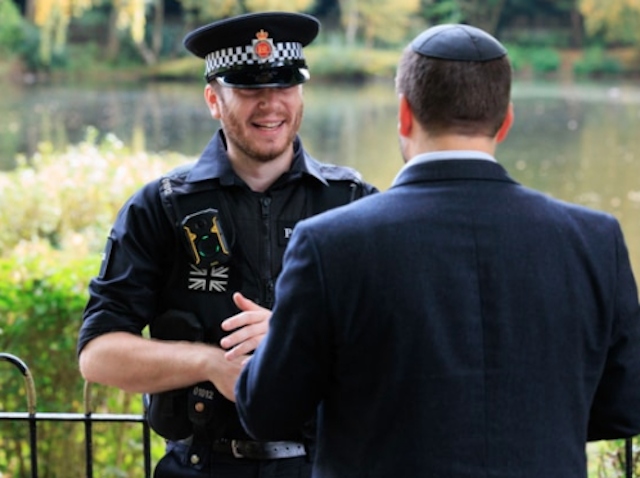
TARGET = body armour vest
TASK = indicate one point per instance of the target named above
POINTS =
(227, 239)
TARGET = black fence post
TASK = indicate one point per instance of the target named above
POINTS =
(31, 407)
(146, 437)
(628, 458)
(88, 430)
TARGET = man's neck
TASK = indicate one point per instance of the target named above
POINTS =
(260, 175)
(458, 142)
(431, 144)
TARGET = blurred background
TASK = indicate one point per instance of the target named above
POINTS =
(99, 96)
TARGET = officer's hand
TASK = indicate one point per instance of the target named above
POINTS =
(224, 373)
(249, 326)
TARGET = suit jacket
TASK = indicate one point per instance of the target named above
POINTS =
(457, 325)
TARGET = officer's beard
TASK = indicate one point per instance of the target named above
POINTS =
(237, 135)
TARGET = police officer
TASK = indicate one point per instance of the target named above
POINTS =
(194, 255)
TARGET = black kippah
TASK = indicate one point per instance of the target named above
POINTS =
(458, 43)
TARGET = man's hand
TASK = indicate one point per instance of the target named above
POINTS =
(225, 373)
(250, 326)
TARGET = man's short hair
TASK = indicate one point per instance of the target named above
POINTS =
(461, 97)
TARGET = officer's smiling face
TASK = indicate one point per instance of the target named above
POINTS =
(260, 124)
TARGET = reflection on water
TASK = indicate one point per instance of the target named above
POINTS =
(156, 117)
(580, 142)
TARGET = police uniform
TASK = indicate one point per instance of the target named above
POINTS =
(184, 243)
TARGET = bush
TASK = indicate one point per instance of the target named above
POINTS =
(70, 200)
(544, 60)
(517, 57)
(538, 59)
(42, 295)
(11, 27)
(56, 213)
(595, 61)
(41, 300)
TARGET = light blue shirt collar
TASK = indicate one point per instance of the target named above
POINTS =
(445, 156)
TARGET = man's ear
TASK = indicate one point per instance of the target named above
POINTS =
(502, 133)
(211, 98)
(405, 117)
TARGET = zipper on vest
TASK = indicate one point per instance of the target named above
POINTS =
(270, 294)
(265, 269)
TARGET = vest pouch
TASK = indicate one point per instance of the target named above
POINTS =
(167, 414)
(201, 404)
(168, 411)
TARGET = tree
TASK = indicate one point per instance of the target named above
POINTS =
(11, 34)
(288, 5)
(53, 17)
(385, 21)
(617, 20)
(197, 11)
(131, 16)
(442, 11)
(483, 14)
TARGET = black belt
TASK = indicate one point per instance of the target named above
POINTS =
(258, 450)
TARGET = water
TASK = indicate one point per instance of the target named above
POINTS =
(578, 142)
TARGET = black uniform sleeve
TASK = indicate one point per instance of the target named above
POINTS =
(123, 297)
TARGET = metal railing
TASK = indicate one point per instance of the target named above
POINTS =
(88, 418)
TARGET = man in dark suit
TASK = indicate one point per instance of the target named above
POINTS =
(459, 324)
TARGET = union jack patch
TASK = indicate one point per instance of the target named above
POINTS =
(211, 279)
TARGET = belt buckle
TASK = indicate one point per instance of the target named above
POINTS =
(234, 449)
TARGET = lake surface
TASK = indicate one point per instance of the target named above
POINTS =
(578, 142)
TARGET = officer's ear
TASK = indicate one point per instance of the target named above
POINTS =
(212, 98)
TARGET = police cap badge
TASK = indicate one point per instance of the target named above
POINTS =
(458, 43)
(255, 50)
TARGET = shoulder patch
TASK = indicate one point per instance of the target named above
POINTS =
(180, 171)
(339, 173)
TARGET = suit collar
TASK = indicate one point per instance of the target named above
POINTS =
(448, 169)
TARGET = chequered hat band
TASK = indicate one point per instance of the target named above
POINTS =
(245, 55)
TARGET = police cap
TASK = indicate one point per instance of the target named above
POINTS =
(255, 50)
(458, 43)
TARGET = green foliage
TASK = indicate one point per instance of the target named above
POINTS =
(442, 11)
(541, 38)
(595, 61)
(616, 20)
(42, 295)
(383, 22)
(11, 27)
(539, 60)
(197, 11)
(340, 62)
(544, 60)
(70, 200)
(28, 49)
(56, 213)
(517, 57)
(607, 459)
(288, 5)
